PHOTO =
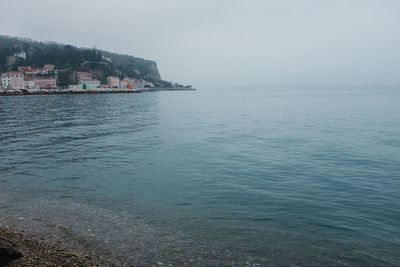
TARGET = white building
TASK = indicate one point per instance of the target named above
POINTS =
(20, 55)
(75, 86)
(48, 67)
(90, 84)
(12, 79)
(124, 84)
(30, 83)
(148, 84)
(113, 81)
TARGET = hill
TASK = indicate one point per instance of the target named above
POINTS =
(68, 58)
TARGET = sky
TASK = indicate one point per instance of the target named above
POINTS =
(253, 43)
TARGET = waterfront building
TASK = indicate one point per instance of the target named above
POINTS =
(78, 77)
(124, 84)
(29, 82)
(139, 84)
(75, 86)
(90, 84)
(131, 81)
(134, 83)
(113, 81)
(148, 84)
(44, 82)
(12, 79)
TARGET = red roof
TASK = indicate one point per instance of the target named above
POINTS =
(13, 72)
(43, 78)
(82, 73)
(89, 80)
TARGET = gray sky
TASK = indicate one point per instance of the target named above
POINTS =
(281, 43)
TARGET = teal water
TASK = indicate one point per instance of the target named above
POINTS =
(211, 177)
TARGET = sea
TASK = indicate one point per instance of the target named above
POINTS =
(212, 177)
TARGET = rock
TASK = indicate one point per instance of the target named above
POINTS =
(8, 252)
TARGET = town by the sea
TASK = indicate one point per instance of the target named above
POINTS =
(213, 177)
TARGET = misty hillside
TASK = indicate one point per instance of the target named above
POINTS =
(68, 58)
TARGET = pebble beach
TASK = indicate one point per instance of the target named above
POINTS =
(38, 252)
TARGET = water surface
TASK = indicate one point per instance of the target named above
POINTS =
(215, 177)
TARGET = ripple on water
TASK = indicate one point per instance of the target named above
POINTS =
(207, 178)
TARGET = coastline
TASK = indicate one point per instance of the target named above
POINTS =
(47, 241)
(40, 248)
(39, 252)
(12, 92)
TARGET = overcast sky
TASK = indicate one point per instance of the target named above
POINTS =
(293, 43)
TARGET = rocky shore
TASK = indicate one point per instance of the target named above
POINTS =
(18, 249)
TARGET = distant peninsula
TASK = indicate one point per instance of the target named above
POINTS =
(26, 64)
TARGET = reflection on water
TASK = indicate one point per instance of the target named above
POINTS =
(208, 177)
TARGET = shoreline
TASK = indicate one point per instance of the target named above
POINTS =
(38, 251)
(13, 92)
(41, 249)
(49, 244)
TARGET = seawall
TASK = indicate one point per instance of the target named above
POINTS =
(9, 92)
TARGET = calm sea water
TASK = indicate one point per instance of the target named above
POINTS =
(212, 177)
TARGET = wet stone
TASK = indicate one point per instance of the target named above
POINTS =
(8, 252)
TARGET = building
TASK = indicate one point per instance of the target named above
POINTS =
(147, 84)
(12, 79)
(135, 83)
(78, 77)
(24, 69)
(11, 60)
(20, 55)
(29, 83)
(44, 82)
(75, 86)
(131, 83)
(106, 58)
(130, 80)
(90, 84)
(124, 84)
(138, 84)
(49, 67)
(33, 72)
(113, 81)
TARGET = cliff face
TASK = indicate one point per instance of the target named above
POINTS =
(134, 67)
(154, 74)
(69, 58)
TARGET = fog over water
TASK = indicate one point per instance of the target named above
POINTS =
(300, 44)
